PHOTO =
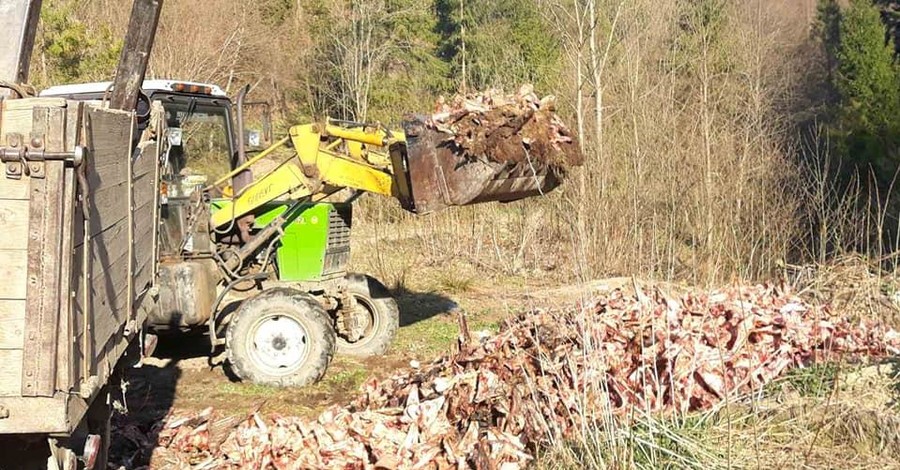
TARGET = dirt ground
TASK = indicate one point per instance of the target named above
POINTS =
(182, 377)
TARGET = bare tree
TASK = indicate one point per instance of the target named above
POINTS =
(362, 46)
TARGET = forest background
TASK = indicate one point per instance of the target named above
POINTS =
(724, 139)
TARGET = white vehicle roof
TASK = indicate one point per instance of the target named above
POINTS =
(149, 85)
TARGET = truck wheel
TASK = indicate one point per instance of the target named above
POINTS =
(281, 337)
(378, 313)
(96, 450)
(88, 446)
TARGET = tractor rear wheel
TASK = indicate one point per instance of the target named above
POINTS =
(378, 318)
(281, 337)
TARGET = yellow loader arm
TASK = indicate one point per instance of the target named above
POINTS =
(317, 170)
(419, 166)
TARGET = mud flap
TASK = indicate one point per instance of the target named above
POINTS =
(432, 175)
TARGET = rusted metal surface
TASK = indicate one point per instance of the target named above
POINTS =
(184, 289)
(438, 176)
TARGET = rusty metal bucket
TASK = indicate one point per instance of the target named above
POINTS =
(435, 176)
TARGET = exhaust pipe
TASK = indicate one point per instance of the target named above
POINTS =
(242, 179)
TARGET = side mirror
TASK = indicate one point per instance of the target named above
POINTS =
(254, 139)
(260, 114)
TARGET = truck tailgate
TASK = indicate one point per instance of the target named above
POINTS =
(77, 256)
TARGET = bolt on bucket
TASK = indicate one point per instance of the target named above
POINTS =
(436, 173)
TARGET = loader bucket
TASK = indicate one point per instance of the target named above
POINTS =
(435, 176)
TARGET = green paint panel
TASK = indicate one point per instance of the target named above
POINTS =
(301, 254)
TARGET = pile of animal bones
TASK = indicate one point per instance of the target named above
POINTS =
(507, 128)
(497, 400)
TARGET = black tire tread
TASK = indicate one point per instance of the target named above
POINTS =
(385, 306)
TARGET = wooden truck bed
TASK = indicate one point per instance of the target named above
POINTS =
(77, 257)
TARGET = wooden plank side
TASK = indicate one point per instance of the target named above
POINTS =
(13, 266)
(12, 324)
(130, 280)
(14, 220)
(79, 314)
(109, 309)
(146, 161)
(74, 116)
(65, 348)
(105, 271)
(144, 190)
(110, 130)
(108, 205)
(97, 275)
(108, 134)
(145, 215)
(27, 104)
(43, 301)
(154, 260)
(65, 370)
(108, 246)
(10, 372)
(99, 268)
(106, 175)
(36, 415)
(18, 114)
(144, 251)
(144, 171)
(14, 189)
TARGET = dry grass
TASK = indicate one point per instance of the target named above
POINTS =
(692, 170)
(851, 285)
(850, 422)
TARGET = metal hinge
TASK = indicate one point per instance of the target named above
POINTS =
(21, 158)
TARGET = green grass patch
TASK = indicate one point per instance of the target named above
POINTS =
(814, 381)
(430, 336)
(649, 443)
(247, 389)
(450, 281)
(347, 379)
(488, 325)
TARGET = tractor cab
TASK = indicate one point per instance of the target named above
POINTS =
(198, 128)
(200, 147)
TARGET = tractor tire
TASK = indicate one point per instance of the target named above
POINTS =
(382, 313)
(281, 337)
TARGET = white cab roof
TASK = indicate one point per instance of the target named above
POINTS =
(101, 87)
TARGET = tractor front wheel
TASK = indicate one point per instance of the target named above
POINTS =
(281, 337)
(378, 318)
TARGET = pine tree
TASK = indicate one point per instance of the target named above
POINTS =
(868, 83)
(890, 14)
(69, 50)
(507, 43)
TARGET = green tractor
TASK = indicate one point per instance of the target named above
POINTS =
(257, 258)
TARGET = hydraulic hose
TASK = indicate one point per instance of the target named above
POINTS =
(213, 336)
